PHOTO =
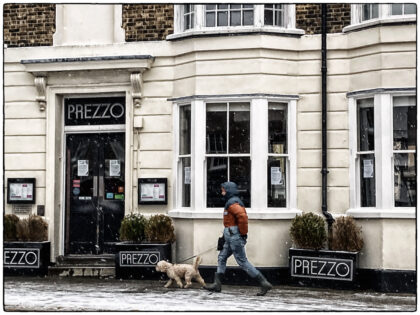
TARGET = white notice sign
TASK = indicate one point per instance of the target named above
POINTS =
(21, 191)
(367, 168)
(114, 168)
(152, 192)
(187, 175)
(83, 168)
(276, 176)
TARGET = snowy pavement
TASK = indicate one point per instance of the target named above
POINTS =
(92, 294)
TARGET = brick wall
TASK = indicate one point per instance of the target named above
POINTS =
(308, 17)
(144, 22)
(28, 24)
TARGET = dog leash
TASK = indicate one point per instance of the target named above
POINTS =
(214, 247)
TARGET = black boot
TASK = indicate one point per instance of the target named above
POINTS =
(264, 285)
(217, 285)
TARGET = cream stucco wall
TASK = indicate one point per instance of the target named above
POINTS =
(379, 57)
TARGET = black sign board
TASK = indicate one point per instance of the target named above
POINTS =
(21, 257)
(138, 258)
(94, 111)
(153, 191)
(21, 190)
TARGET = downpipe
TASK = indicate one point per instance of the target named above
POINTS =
(324, 169)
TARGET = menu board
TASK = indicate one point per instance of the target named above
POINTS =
(152, 191)
(21, 190)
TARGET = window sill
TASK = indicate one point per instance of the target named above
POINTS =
(236, 31)
(376, 22)
(373, 213)
(217, 213)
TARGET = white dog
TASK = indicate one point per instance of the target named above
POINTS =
(177, 272)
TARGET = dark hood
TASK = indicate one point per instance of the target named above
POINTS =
(232, 194)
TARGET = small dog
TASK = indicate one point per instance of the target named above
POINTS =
(177, 272)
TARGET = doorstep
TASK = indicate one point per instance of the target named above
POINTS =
(99, 266)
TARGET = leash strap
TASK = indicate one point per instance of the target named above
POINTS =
(214, 247)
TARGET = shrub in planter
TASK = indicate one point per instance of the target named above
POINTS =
(160, 229)
(10, 221)
(32, 229)
(347, 236)
(133, 228)
(308, 231)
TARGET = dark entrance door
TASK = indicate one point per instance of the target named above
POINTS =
(95, 192)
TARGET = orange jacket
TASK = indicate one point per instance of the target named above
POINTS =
(236, 215)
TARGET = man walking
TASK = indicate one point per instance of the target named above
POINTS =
(235, 234)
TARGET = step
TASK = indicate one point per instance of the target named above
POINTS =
(105, 260)
(81, 271)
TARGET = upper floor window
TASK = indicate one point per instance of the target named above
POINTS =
(229, 14)
(403, 8)
(370, 11)
(274, 14)
(188, 16)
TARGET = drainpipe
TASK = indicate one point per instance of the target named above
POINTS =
(324, 170)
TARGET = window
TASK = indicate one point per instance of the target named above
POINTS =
(188, 16)
(274, 14)
(185, 154)
(228, 150)
(403, 8)
(229, 14)
(370, 11)
(404, 151)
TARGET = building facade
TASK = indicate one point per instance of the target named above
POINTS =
(100, 96)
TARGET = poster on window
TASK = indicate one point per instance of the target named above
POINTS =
(367, 168)
(187, 175)
(83, 168)
(276, 177)
(114, 168)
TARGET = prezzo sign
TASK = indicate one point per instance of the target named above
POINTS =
(322, 268)
(138, 258)
(94, 111)
(21, 257)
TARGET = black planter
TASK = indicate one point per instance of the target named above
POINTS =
(26, 258)
(323, 268)
(138, 261)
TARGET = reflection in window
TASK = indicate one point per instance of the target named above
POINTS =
(229, 14)
(185, 154)
(274, 14)
(404, 148)
(366, 154)
(370, 11)
(228, 150)
(277, 150)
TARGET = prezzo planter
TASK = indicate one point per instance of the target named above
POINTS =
(323, 268)
(138, 261)
(26, 258)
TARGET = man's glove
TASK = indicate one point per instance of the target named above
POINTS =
(245, 236)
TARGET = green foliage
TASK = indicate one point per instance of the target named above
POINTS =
(32, 229)
(347, 236)
(132, 228)
(9, 223)
(308, 231)
(160, 229)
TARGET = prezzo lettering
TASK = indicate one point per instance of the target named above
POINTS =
(139, 258)
(21, 258)
(95, 111)
(322, 268)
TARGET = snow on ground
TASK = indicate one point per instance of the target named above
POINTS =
(91, 294)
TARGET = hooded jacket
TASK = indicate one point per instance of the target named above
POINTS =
(234, 213)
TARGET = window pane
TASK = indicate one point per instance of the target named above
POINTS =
(366, 136)
(210, 6)
(216, 128)
(210, 19)
(405, 180)
(240, 173)
(365, 12)
(279, 18)
(409, 8)
(268, 17)
(185, 130)
(375, 11)
(405, 127)
(187, 25)
(277, 128)
(235, 18)
(222, 19)
(222, 6)
(216, 175)
(276, 175)
(248, 6)
(367, 180)
(268, 6)
(239, 128)
(235, 6)
(396, 9)
(186, 181)
(248, 17)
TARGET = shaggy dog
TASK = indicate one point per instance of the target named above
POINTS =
(177, 272)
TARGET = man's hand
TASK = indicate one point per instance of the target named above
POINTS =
(245, 236)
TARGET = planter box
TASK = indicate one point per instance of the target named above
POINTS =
(26, 258)
(138, 261)
(323, 268)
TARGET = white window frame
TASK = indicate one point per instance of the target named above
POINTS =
(200, 28)
(258, 154)
(384, 168)
(384, 17)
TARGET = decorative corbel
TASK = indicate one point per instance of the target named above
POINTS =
(136, 82)
(41, 85)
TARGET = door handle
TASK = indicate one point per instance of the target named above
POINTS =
(101, 186)
(95, 186)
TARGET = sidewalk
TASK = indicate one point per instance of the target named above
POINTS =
(93, 294)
